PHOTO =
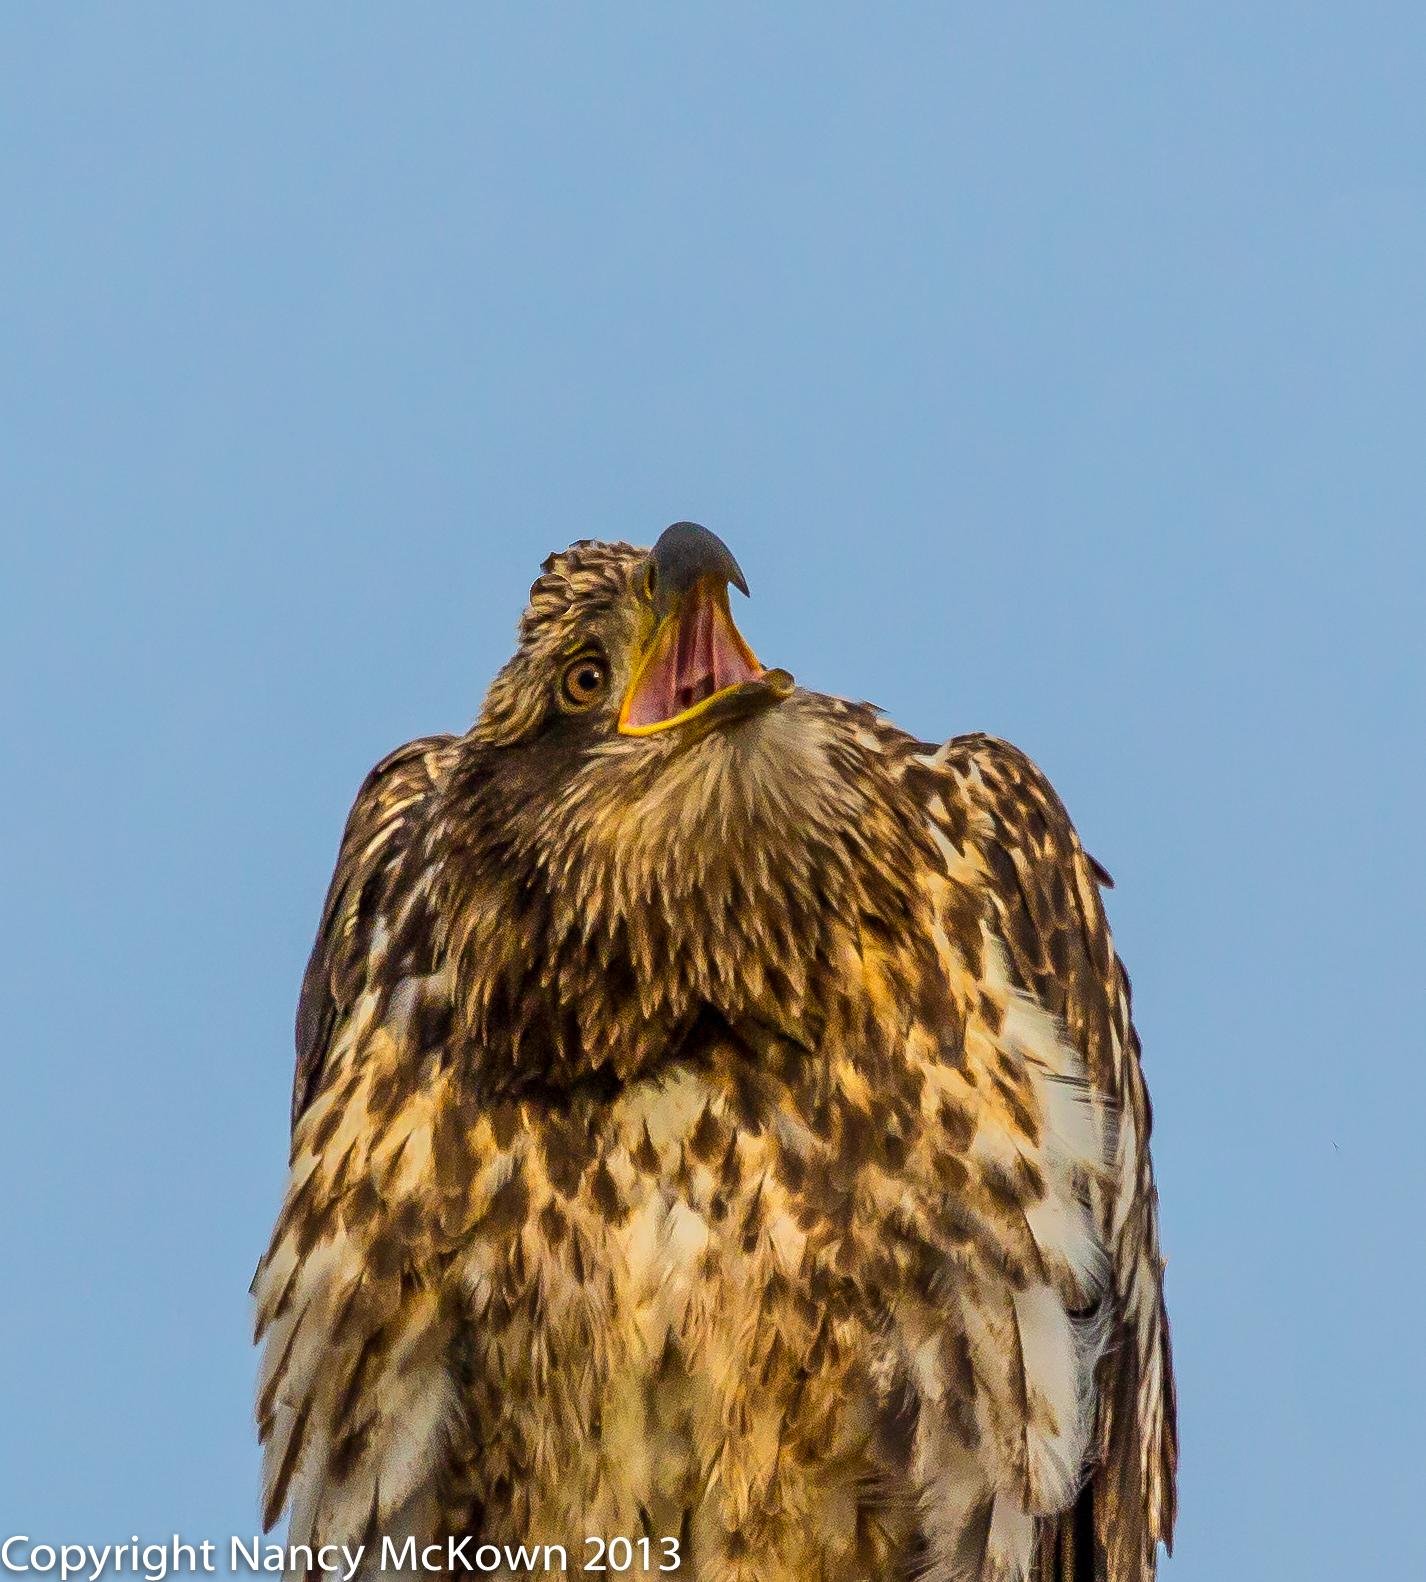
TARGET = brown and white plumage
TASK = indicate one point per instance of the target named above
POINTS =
(727, 1127)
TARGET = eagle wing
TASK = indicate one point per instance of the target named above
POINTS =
(1044, 892)
(353, 1384)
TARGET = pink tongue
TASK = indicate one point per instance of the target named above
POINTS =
(695, 663)
(703, 660)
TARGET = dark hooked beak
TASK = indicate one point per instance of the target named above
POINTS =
(696, 662)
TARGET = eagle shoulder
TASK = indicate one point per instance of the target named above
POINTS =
(391, 808)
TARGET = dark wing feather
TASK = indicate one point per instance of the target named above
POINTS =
(390, 809)
(1045, 891)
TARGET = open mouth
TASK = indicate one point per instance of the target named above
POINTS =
(696, 656)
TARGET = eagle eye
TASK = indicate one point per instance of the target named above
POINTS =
(584, 681)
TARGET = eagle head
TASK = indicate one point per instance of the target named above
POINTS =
(630, 641)
(647, 830)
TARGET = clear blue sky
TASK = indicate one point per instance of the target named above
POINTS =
(1058, 372)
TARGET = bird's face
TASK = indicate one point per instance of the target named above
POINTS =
(647, 821)
(623, 643)
(644, 817)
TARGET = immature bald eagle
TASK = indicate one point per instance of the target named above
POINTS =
(718, 1129)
